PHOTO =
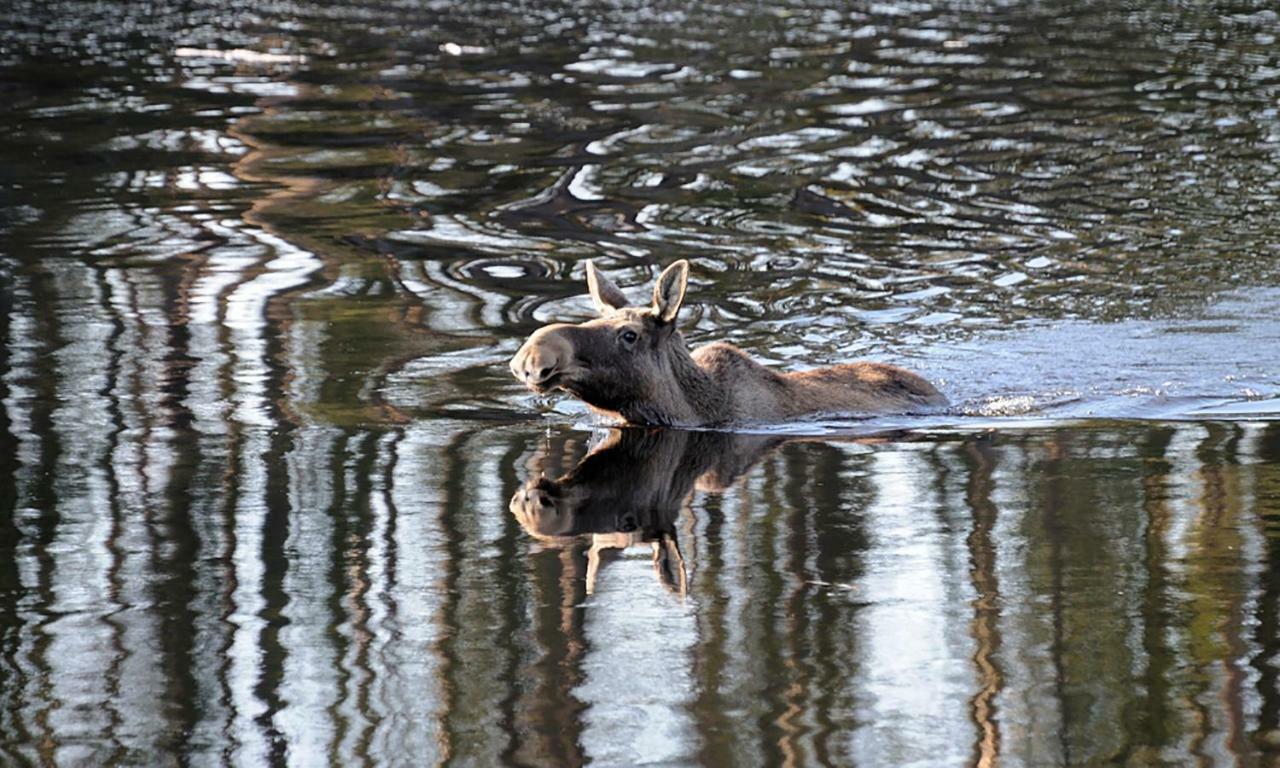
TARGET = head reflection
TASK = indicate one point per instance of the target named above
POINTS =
(629, 491)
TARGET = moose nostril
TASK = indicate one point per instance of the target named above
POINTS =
(545, 372)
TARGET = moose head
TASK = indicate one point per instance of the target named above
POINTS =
(630, 361)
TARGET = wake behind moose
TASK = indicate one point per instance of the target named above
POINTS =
(632, 364)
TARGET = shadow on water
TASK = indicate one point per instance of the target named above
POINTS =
(261, 270)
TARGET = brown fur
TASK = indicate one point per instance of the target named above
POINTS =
(633, 364)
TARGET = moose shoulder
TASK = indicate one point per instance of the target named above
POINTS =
(632, 363)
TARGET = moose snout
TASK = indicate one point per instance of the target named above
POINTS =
(538, 510)
(543, 356)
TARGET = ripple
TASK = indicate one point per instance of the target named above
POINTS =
(945, 171)
(239, 56)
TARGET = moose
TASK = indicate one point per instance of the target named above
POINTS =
(632, 364)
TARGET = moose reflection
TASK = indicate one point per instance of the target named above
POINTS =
(629, 491)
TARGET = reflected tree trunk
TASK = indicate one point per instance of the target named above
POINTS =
(985, 627)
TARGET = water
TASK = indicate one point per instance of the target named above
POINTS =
(268, 493)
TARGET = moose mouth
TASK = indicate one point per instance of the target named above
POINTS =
(568, 379)
(548, 384)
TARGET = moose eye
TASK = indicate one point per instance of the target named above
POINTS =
(629, 336)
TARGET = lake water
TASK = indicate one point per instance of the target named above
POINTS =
(269, 494)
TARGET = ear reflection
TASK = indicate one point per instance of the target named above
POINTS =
(629, 491)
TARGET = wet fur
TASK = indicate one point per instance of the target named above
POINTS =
(658, 381)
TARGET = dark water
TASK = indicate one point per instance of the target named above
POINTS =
(261, 266)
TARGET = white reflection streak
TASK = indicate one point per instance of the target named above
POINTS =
(245, 319)
(743, 618)
(380, 598)
(22, 705)
(223, 268)
(639, 685)
(244, 663)
(19, 420)
(411, 684)
(22, 347)
(1257, 567)
(311, 671)
(479, 651)
(1182, 490)
(215, 483)
(140, 465)
(1025, 658)
(81, 646)
(919, 678)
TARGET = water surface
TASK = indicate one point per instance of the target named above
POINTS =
(261, 270)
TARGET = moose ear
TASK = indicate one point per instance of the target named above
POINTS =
(604, 293)
(668, 294)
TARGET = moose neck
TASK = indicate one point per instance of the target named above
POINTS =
(685, 394)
